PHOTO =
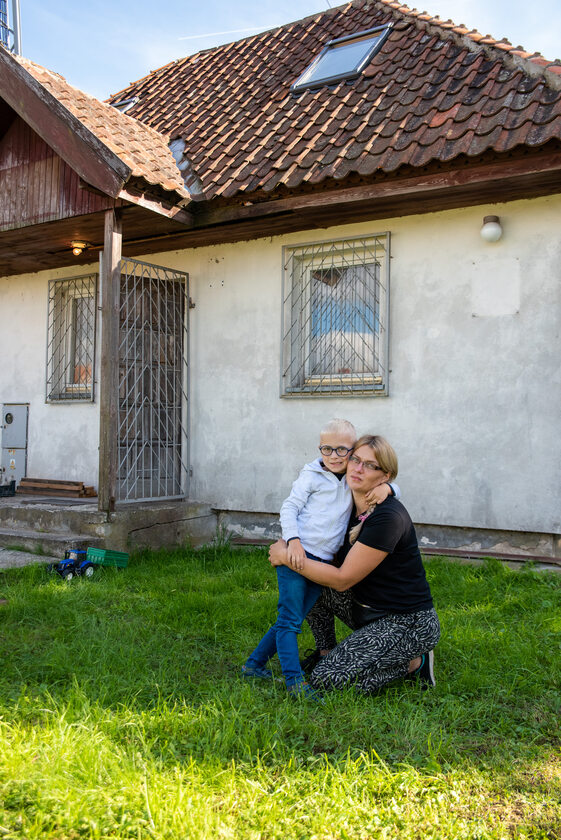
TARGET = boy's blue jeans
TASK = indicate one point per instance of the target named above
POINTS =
(297, 596)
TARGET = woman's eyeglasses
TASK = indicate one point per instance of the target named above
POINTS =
(369, 466)
(342, 451)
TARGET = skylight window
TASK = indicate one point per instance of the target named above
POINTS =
(125, 104)
(343, 58)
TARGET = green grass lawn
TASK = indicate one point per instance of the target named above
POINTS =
(122, 714)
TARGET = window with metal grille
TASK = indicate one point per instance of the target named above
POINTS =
(335, 317)
(71, 338)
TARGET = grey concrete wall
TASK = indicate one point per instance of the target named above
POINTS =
(475, 382)
(63, 438)
(474, 401)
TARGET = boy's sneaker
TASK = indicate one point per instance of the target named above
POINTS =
(302, 690)
(311, 658)
(256, 672)
(425, 672)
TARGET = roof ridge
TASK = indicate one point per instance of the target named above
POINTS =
(245, 39)
(534, 64)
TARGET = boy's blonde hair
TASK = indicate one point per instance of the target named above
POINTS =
(337, 426)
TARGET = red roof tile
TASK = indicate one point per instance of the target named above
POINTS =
(141, 147)
(434, 91)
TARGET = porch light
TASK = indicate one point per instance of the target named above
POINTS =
(78, 247)
(491, 230)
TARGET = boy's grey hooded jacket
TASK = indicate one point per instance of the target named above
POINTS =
(317, 511)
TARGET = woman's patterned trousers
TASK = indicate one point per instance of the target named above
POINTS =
(371, 656)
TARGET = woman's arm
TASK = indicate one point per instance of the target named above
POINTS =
(358, 563)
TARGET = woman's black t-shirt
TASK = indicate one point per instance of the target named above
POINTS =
(398, 584)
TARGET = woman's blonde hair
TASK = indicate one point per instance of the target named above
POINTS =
(387, 460)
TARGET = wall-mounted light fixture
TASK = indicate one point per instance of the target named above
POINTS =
(78, 246)
(491, 230)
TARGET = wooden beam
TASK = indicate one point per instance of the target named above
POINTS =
(109, 374)
(45, 245)
(177, 214)
(484, 174)
(71, 140)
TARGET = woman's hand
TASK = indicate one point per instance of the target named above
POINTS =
(378, 494)
(278, 553)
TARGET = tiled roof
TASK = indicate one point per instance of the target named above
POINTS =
(144, 150)
(435, 91)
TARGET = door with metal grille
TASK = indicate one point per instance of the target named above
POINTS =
(153, 370)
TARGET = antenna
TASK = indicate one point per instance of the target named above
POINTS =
(10, 36)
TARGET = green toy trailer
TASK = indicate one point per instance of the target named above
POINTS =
(79, 563)
(105, 557)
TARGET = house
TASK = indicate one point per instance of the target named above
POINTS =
(355, 215)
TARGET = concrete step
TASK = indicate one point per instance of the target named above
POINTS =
(29, 522)
(53, 543)
(39, 514)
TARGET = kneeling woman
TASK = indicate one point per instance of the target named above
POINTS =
(379, 589)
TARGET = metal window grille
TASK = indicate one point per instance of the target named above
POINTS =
(335, 317)
(153, 440)
(72, 309)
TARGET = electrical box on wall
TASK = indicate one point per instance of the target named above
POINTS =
(13, 462)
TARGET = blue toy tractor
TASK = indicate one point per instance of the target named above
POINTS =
(75, 564)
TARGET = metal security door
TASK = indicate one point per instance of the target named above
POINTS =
(14, 442)
(153, 369)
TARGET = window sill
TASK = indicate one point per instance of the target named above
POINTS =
(352, 386)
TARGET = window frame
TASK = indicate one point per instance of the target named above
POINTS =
(62, 320)
(373, 382)
(355, 72)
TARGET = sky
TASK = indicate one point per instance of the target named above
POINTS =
(100, 46)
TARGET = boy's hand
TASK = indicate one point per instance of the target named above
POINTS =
(378, 494)
(296, 555)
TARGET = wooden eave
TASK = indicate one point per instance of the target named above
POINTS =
(522, 174)
(94, 162)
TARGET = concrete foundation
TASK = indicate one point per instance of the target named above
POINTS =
(54, 525)
(265, 526)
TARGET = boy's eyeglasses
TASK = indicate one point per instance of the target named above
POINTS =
(370, 466)
(340, 450)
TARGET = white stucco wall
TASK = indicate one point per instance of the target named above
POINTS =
(62, 438)
(474, 405)
(474, 409)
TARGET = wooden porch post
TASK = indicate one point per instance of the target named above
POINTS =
(109, 378)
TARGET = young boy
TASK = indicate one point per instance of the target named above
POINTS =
(314, 521)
